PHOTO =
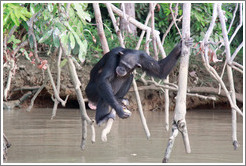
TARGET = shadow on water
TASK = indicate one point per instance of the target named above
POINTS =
(37, 139)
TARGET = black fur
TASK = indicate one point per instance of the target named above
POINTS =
(111, 77)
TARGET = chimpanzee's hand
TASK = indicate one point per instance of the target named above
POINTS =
(189, 42)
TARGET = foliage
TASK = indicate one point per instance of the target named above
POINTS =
(14, 14)
(55, 23)
(55, 27)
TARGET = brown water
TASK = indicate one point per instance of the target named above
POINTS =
(37, 139)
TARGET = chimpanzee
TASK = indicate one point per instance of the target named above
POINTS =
(111, 78)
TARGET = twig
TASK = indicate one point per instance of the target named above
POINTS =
(84, 133)
(143, 31)
(58, 83)
(146, 129)
(36, 95)
(31, 33)
(229, 72)
(124, 17)
(234, 15)
(26, 88)
(152, 7)
(63, 102)
(174, 17)
(117, 30)
(11, 33)
(12, 67)
(169, 28)
(237, 64)
(76, 83)
(236, 51)
(23, 44)
(100, 30)
(240, 23)
(237, 69)
(202, 96)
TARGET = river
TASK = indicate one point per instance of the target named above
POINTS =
(37, 139)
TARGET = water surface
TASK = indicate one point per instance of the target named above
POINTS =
(37, 139)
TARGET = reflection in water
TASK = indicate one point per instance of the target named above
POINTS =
(37, 139)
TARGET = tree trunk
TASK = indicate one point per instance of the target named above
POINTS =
(125, 26)
(100, 29)
(179, 122)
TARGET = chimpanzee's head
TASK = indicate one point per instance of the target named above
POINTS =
(129, 60)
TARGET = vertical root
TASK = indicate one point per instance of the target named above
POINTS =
(84, 134)
(107, 129)
(170, 143)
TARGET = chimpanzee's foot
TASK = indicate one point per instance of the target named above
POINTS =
(125, 113)
(125, 102)
(105, 119)
(92, 105)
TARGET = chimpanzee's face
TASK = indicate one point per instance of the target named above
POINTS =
(128, 62)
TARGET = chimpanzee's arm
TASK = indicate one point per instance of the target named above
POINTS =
(163, 67)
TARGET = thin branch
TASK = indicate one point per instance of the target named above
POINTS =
(152, 7)
(58, 83)
(100, 28)
(63, 102)
(169, 28)
(233, 18)
(36, 95)
(174, 18)
(11, 33)
(217, 77)
(146, 129)
(236, 51)
(143, 31)
(237, 64)
(31, 33)
(230, 73)
(237, 69)
(240, 23)
(111, 14)
(23, 44)
(11, 72)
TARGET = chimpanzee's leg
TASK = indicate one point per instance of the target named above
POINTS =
(91, 92)
(103, 113)
(124, 88)
(122, 92)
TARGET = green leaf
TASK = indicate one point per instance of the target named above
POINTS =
(64, 39)
(76, 49)
(46, 36)
(81, 13)
(5, 18)
(50, 7)
(72, 41)
(82, 45)
(14, 19)
(63, 63)
(56, 41)
(83, 51)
